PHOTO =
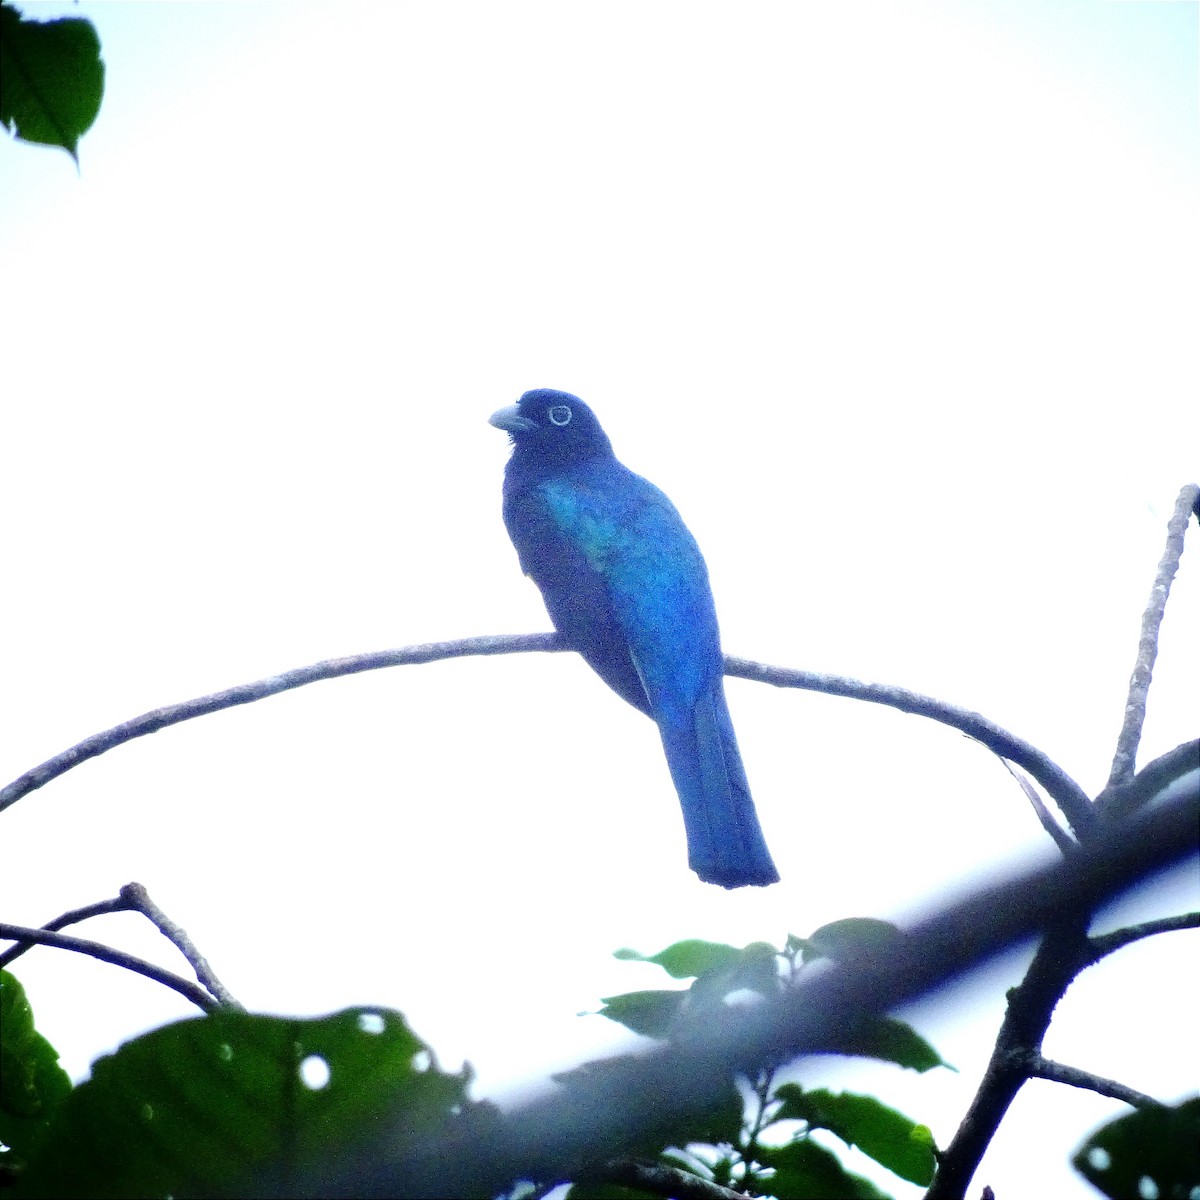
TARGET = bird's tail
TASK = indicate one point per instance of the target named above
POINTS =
(725, 843)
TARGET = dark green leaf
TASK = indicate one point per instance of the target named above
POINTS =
(650, 1013)
(232, 1103)
(851, 936)
(32, 1084)
(685, 960)
(806, 1171)
(890, 1138)
(1161, 1145)
(51, 78)
(601, 1190)
(892, 1041)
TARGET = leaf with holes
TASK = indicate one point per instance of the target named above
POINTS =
(51, 78)
(1151, 1151)
(233, 1103)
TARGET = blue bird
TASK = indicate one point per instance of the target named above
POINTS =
(625, 583)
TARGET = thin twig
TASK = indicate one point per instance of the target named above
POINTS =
(1038, 1067)
(1062, 839)
(247, 693)
(1108, 943)
(1063, 790)
(65, 941)
(138, 898)
(73, 917)
(1139, 682)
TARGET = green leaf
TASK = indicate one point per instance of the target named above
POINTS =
(32, 1084)
(650, 1013)
(51, 78)
(807, 1171)
(893, 1041)
(600, 1190)
(234, 1104)
(685, 960)
(890, 1138)
(849, 937)
(1161, 1145)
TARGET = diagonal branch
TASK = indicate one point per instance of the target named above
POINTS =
(1038, 1067)
(556, 1133)
(139, 899)
(65, 941)
(1147, 651)
(1065, 792)
(1109, 943)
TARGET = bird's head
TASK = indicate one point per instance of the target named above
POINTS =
(554, 428)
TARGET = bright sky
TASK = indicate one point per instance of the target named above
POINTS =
(897, 303)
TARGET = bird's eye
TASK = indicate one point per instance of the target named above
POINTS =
(560, 414)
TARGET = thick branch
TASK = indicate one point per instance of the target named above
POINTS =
(592, 1119)
(1143, 669)
(1065, 792)
(1109, 943)
(65, 941)
(1037, 1067)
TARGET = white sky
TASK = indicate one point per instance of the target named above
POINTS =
(899, 305)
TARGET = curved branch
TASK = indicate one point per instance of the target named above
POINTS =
(1038, 1067)
(1143, 668)
(1110, 943)
(247, 693)
(65, 941)
(1065, 792)
(99, 909)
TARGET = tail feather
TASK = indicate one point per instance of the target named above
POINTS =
(725, 842)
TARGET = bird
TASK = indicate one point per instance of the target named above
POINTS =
(625, 584)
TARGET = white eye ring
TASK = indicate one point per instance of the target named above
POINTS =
(560, 414)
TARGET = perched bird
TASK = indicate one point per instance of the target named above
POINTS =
(625, 583)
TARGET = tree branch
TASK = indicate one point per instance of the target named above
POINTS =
(665, 1181)
(1065, 792)
(65, 941)
(247, 693)
(1037, 1067)
(133, 897)
(593, 1118)
(1154, 778)
(1139, 682)
(1109, 943)
(74, 916)
(139, 899)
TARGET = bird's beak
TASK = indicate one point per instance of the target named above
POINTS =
(510, 418)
